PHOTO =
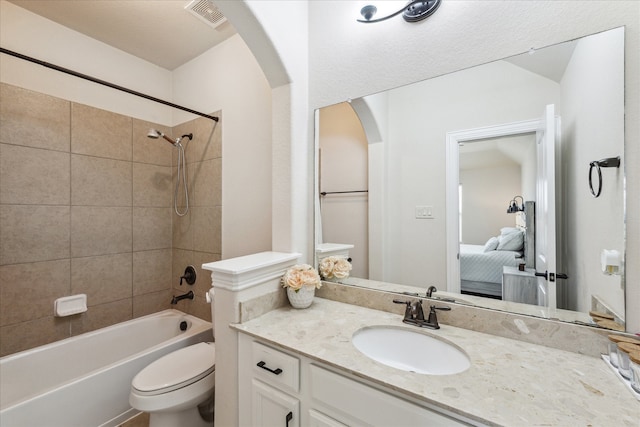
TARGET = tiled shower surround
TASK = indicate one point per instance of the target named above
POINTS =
(86, 206)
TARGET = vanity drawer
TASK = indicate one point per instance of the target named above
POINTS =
(354, 403)
(275, 367)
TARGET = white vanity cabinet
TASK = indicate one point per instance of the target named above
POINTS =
(291, 390)
(271, 407)
(274, 382)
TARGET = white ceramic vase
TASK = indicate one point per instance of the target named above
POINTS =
(303, 298)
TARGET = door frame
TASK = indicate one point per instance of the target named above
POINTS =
(453, 181)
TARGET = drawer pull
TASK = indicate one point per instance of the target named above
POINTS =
(288, 418)
(276, 371)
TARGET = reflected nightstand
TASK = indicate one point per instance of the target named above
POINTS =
(519, 286)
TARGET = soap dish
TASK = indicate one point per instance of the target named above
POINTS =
(67, 306)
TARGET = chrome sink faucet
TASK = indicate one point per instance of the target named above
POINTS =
(414, 314)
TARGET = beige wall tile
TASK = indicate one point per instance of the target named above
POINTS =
(207, 183)
(28, 291)
(26, 335)
(100, 230)
(151, 151)
(151, 228)
(33, 176)
(181, 259)
(151, 271)
(151, 303)
(207, 225)
(182, 229)
(101, 316)
(152, 185)
(33, 233)
(34, 119)
(100, 182)
(207, 138)
(197, 307)
(100, 133)
(204, 276)
(103, 278)
(182, 202)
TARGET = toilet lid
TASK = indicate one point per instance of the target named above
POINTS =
(177, 369)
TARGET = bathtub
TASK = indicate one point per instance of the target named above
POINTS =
(85, 380)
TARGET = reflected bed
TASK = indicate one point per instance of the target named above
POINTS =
(481, 272)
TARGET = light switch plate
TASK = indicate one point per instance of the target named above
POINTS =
(424, 212)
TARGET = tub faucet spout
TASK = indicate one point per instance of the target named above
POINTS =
(175, 299)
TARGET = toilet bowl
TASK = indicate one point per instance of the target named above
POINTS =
(177, 389)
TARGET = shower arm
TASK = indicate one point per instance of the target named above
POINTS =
(176, 142)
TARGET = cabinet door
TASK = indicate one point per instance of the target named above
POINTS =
(273, 408)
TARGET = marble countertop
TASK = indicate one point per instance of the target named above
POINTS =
(510, 383)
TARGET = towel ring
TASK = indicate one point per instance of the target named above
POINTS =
(611, 162)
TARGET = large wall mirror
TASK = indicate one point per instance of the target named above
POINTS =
(475, 181)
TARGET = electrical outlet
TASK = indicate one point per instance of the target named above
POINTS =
(424, 212)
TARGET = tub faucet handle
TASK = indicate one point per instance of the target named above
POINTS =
(189, 275)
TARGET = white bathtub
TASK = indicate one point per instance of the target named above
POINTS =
(85, 380)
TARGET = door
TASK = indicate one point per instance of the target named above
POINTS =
(546, 209)
(272, 408)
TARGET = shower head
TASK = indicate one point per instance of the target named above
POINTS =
(155, 134)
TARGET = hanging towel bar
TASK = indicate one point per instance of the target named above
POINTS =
(324, 193)
(104, 83)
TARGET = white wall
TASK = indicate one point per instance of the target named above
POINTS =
(592, 134)
(285, 23)
(485, 195)
(348, 60)
(419, 118)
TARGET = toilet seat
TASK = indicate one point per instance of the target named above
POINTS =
(176, 370)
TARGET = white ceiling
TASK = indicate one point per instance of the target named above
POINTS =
(496, 152)
(550, 62)
(159, 31)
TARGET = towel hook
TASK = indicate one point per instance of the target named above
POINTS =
(611, 162)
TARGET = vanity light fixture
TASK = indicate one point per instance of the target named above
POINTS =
(414, 11)
(513, 205)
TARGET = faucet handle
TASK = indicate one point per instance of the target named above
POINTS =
(414, 309)
(407, 312)
(433, 317)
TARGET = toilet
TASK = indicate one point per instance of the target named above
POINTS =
(177, 389)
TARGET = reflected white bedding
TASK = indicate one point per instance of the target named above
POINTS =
(479, 266)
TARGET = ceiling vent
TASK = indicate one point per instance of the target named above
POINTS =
(206, 11)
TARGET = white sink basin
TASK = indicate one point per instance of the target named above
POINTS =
(410, 351)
